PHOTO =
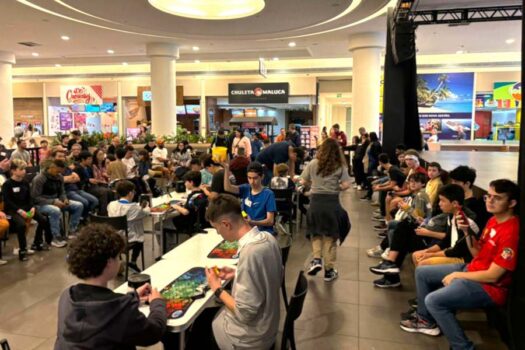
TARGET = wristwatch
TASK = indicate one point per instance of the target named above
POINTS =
(218, 292)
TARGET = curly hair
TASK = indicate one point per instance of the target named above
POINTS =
(330, 158)
(88, 255)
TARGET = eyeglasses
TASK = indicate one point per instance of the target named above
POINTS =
(495, 197)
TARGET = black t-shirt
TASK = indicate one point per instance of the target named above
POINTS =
(274, 154)
(150, 149)
(16, 195)
(396, 175)
(217, 182)
(477, 206)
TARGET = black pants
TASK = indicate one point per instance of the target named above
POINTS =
(359, 171)
(104, 196)
(406, 241)
(198, 337)
(136, 250)
(17, 224)
(382, 202)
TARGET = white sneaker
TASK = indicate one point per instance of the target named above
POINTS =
(359, 188)
(58, 244)
(384, 256)
(374, 252)
(28, 251)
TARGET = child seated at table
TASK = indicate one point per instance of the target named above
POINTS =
(92, 316)
(282, 180)
(135, 214)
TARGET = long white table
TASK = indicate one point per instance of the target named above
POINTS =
(192, 253)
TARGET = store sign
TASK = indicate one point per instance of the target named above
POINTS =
(81, 95)
(258, 93)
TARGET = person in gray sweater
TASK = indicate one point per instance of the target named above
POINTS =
(91, 316)
(250, 316)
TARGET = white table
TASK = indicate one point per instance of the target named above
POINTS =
(200, 245)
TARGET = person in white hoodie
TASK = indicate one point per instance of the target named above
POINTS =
(135, 213)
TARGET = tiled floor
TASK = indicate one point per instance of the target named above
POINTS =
(346, 314)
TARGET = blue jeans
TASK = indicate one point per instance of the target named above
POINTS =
(54, 214)
(89, 201)
(438, 303)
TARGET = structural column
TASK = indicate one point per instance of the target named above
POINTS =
(7, 59)
(203, 119)
(163, 87)
(366, 76)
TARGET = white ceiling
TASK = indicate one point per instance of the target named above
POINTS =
(125, 26)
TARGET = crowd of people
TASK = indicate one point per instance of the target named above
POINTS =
(463, 247)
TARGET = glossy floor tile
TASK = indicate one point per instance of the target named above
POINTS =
(349, 313)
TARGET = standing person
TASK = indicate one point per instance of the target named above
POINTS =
(92, 316)
(293, 136)
(21, 153)
(276, 153)
(250, 316)
(220, 139)
(328, 176)
(257, 145)
(239, 166)
(76, 137)
(359, 166)
(282, 135)
(230, 138)
(339, 135)
(18, 131)
(241, 141)
(257, 202)
(19, 205)
(371, 161)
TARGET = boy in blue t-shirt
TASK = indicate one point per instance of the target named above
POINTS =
(257, 202)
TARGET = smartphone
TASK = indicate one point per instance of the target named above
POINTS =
(464, 218)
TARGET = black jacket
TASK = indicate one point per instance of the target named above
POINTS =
(91, 317)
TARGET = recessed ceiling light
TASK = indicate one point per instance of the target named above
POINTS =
(275, 59)
(292, 44)
(197, 61)
(124, 63)
(58, 65)
(510, 41)
(209, 9)
(195, 48)
(35, 54)
(64, 37)
(111, 52)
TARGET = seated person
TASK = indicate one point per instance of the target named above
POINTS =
(92, 316)
(18, 204)
(257, 202)
(76, 191)
(21, 152)
(442, 290)
(189, 220)
(249, 318)
(135, 214)
(404, 236)
(281, 181)
(434, 183)
(129, 162)
(239, 165)
(44, 152)
(75, 153)
(195, 164)
(50, 199)
(208, 169)
(96, 187)
(117, 170)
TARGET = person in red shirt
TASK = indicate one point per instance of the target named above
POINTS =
(444, 289)
(339, 135)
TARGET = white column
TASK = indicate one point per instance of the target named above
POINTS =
(7, 119)
(163, 87)
(203, 119)
(366, 74)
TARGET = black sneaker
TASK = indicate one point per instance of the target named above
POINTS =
(330, 275)
(381, 234)
(413, 302)
(387, 282)
(39, 247)
(385, 267)
(409, 315)
(22, 255)
(316, 265)
(419, 325)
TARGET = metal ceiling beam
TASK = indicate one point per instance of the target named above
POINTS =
(467, 15)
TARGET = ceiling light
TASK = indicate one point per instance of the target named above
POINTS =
(209, 9)
(510, 41)
(195, 48)
(58, 65)
(197, 61)
(124, 63)
(111, 52)
(275, 59)
(292, 44)
(64, 37)
(35, 54)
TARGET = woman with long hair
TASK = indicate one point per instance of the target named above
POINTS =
(241, 141)
(327, 221)
(99, 167)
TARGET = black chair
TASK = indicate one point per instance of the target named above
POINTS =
(4, 344)
(285, 251)
(188, 225)
(294, 311)
(284, 202)
(120, 223)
